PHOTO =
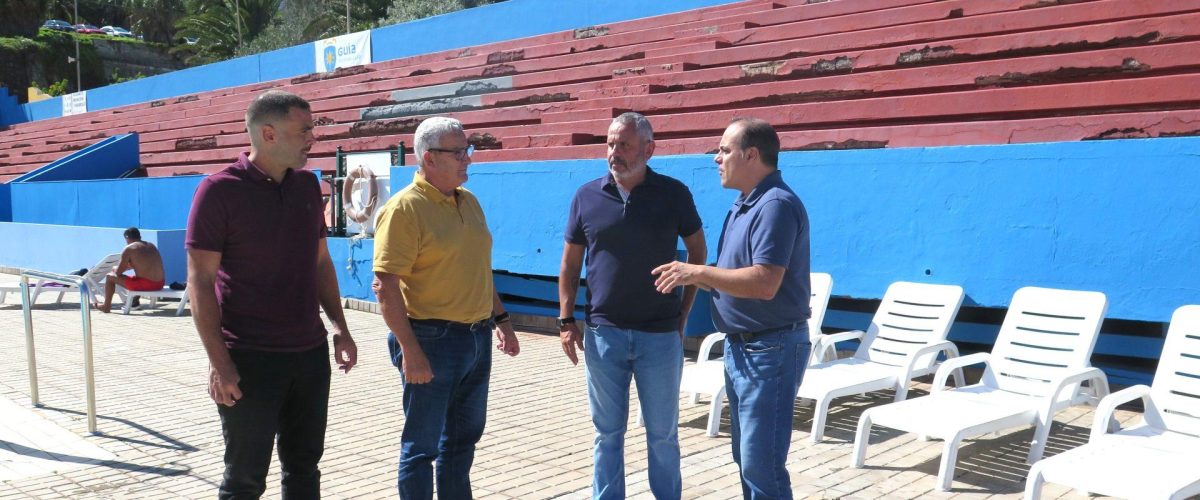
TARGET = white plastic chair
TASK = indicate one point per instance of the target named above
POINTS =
(1036, 368)
(1157, 457)
(903, 341)
(707, 376)
(127, 297)
(7, 288)
(95, 276)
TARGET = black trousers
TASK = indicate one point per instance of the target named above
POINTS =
(284, 395)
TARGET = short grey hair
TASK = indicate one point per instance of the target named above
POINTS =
(638, 122)
(273, 105)
(429, 134)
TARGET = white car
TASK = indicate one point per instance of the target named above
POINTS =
(116, 31)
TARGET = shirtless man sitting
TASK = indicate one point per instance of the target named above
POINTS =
(147, 267)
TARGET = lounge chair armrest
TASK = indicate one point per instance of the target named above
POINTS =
(1071, 379)
(948, 366)
(707, 345)
(910, 363)
(832, 338)
(1108, 405)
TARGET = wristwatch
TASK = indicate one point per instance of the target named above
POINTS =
(563, 322)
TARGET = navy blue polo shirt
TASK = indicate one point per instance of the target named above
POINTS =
(625, 240)
(767, 226)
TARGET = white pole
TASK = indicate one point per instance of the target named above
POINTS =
(78, 71)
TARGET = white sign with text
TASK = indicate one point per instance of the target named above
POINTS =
(343, 51)
(74, 104)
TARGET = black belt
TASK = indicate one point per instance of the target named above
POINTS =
(439, 323)
(748, 336)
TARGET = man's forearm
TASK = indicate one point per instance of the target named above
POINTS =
(497, 304)
(330, 297)
(568, 289)
(747, 282)
(207, 317)
(395, 315)
(697, 253)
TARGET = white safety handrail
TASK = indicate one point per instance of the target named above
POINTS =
(85, 309)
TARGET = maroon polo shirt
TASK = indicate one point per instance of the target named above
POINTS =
(268, 235)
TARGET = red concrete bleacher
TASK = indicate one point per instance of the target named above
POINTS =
(829, 75)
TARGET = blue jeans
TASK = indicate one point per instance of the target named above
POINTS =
(761, 380)
(444, 418)
(655, 360)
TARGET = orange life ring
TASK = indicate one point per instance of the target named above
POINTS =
(359, 215)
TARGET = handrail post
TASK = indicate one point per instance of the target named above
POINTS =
(30, 352)
(85, 309)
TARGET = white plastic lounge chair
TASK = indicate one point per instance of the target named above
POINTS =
(7, 288)
(707, 376)
(95, 276)
(1157, 457)
(1035, 369)
(905, 337)
(127, 296)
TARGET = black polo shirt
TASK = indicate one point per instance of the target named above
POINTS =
(625, 240)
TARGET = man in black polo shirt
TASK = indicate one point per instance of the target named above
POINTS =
(258, 269)
(629, 222)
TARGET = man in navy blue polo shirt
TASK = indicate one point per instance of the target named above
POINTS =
(760, 293)
(628, 222)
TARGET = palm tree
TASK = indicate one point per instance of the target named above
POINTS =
(217, 27)
(155, 20)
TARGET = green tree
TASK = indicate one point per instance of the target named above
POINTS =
(402, 11)
(155, 20)
(290, 27)
(219, 32)
(22, 17)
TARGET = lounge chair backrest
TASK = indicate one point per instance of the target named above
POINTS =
(1046, 333)
(822, 286)
(96, 274)
(910, 316)
(1175, 393)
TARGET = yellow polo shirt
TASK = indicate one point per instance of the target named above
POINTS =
(440, 248)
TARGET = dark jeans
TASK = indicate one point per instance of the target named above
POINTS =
(444, 418)
(284, 394)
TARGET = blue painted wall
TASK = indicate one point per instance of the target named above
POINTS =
(110, 158)
(504, 21)
(352, 261)
(62, 249)
(41, 110)
(5, 203)
(513, 19)
(1112, 216)
(10, 108)
(148, 203)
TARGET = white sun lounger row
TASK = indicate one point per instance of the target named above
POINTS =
(1038, 366)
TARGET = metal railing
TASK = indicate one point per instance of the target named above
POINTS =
(85, 309)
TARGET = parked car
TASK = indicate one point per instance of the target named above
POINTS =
(58, 25)
(88, 29)
(116, 31)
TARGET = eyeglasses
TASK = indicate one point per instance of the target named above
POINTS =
(460, 154)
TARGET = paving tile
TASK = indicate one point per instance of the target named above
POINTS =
(160, 436)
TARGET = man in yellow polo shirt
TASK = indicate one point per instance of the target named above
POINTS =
(433, 279)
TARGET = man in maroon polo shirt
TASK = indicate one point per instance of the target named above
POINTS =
(258, 269)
